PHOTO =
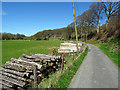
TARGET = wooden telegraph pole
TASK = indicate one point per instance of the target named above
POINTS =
(75, 25)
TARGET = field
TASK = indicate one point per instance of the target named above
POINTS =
(15, 48)
(60, 79)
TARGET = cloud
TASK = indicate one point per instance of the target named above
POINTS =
(3, 13)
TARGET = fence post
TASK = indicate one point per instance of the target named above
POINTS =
(31, 54)
(73, 54)
(69, 52)
(52, 52)
(35, 77)
(56, 52)
(78, 52)
(62, 62)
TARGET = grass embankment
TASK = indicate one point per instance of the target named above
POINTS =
(62, 79)
(15, 48)
(110, 49)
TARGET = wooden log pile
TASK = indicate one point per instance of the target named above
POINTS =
(18, 73)
(69, 46)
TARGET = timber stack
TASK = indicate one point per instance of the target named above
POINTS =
(18, 73)
(70, 46)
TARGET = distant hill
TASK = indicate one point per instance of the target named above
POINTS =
(66, 32)
(55, 33)
(106, 34)
(9, 36)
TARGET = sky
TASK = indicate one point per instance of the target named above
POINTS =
(29, 18)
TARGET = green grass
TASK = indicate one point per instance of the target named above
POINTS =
(106, 48)
(110, 49)
(15, 48)
(0, 52)
(62, 79)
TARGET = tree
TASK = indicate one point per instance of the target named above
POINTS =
(9, 36)
(88, 20)
(97, 9)
(69, 31)
(5, 36)
(0, 36)
(110, 9)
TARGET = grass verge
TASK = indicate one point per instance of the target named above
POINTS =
(62, 79)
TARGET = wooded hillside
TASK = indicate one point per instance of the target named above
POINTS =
(88, 25)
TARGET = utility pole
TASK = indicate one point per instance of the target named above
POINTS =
(81, 33)
(75, 24)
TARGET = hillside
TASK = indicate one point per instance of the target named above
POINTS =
(106, 33)
(112, 31)
(45, 34)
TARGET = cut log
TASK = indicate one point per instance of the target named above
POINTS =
(4, 87)
(13, 76)
(30, 60)
(44, 61)
(25, 59)
(19, 61)
(2, 82)
(43, 56)
(14, 81)
(8, 85)
(17, 67)
(20, 88)
(24, 75)
(44, 66)
(50, 64)
(54, 67)
(27, 56)
(39, 75)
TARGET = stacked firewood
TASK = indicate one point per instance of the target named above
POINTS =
(18, 73)
(70, 46)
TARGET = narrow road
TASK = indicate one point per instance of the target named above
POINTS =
(96, 71)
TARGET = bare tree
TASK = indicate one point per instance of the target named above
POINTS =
(110, 9)
(88, 20)
(97, 9)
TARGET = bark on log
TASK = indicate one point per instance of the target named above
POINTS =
(39, 75)
(30, 60)
(13, 76)
(19, 61)
(20, 88)
(25, 59)
(24, 75)
(28, 56)
(43, 56)
(4, 87)
(2, 82)
(14, 81)
(17, 67)
(50, 64)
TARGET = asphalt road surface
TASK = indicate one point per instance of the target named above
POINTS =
(96, 71)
